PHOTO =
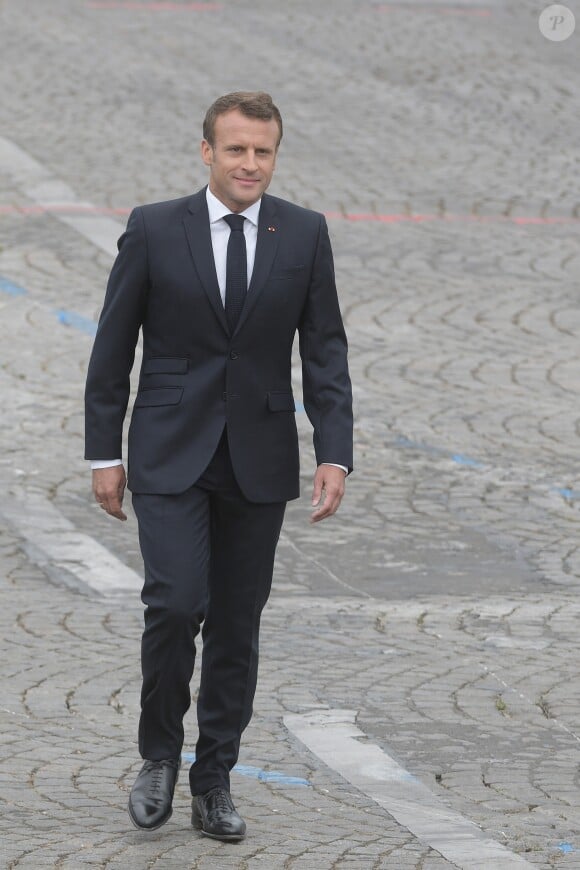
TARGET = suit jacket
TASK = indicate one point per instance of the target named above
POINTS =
(195, 376)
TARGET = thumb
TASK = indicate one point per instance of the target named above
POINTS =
(317, 491)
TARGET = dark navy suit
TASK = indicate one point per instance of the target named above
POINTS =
(213, 446)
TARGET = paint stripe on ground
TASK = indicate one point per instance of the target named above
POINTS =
(11, 289)
(76, 321)
(333, 736)
(47, 191)
(152, 6)
(480, 12)
(257, 772)
(53, 543)
(66, 318)
(70, 209)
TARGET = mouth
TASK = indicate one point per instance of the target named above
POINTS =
(247, 182)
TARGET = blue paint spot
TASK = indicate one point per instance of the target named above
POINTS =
(568, 493)
(403, 441)
(466, 460)
(565, 847)
(299, 407)
(7, 286)
(257, 772)
(460, 458)
(77, 321)
(270, 775)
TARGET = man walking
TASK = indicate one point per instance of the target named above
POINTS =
(219, 282)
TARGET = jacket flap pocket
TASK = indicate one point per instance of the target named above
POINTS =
(287, 272)
(165, 365)
(281, 401)
(158, 396)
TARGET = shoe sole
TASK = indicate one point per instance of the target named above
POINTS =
(198, 825)
(149, 827)
(230, 838)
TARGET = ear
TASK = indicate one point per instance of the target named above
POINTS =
(206, 152)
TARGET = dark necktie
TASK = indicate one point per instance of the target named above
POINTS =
(236, 270)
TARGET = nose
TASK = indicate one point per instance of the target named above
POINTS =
(250, 163)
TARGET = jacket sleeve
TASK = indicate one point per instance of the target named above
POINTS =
(323, 348)
(108, 376)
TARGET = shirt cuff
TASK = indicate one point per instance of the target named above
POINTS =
(105, 463)
(336, 465)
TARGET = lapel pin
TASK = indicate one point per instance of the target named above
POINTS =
(271, 229)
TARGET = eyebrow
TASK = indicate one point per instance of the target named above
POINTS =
(239, 145)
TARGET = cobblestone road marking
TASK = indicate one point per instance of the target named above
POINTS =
(333, 736)
(53, 543)
(51, 193)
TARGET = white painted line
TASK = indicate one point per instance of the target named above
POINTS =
(43, 188)
(54, 544)
(333, 736)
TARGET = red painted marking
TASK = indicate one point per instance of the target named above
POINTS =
(154, 7)
(423, 218)
(428, 7)
(354, 217)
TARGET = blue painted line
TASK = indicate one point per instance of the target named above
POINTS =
(67, 318)
(466, 460)
(565, 847)
(570, 494)
(470, 462)
(77, 321)
(459, 458)
(270, 775)
(403, 441)
(7, 286)
(257, 773)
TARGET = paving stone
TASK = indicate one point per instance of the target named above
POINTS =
(441, 602)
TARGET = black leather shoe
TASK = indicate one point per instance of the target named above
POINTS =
(152, 795)
(214, 812)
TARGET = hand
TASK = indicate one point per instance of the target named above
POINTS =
(109, 488)
(328, 480)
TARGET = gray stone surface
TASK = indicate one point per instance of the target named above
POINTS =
(441, 604)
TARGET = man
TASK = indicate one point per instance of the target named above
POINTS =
(219, 282)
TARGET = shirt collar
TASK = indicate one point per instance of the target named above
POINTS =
(217, 209)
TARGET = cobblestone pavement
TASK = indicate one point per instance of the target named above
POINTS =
(441, 138)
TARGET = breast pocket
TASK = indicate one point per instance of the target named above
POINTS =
(287, 272)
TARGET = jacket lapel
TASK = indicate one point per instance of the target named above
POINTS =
(198, 233)
(266, 246)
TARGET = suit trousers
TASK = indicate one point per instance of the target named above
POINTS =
(208, 555)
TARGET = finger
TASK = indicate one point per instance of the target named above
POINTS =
(330, 507)
(118, 513)
(113, 506)
(320, 514)
(316, 493)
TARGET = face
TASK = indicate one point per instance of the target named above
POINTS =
(242, 160)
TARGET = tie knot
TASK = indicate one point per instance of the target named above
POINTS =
(236, 221)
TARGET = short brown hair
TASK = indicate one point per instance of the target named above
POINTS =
(253, 104)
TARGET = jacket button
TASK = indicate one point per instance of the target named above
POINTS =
(233, 354)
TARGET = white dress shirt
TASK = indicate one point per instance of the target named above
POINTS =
(220, 233)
